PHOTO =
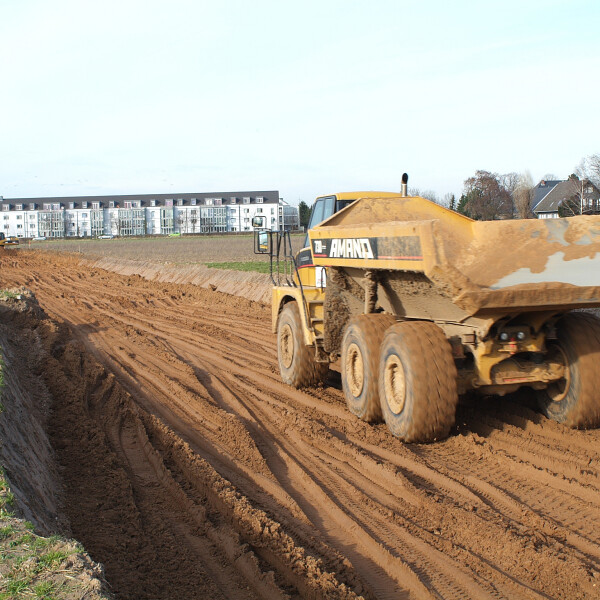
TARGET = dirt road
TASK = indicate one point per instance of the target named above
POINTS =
(192, 471)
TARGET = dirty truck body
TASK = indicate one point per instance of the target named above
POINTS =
(423, 305)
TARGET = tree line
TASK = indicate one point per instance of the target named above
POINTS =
(487, 196)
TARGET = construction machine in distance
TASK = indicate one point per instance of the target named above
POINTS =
(6, 241)
(423, 305)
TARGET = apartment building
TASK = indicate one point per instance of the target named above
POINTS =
(145, 214)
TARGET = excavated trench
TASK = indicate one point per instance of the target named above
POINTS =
(189, 470)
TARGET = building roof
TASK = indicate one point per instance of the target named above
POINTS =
(269, 197)
(560, 191)
(541, 190)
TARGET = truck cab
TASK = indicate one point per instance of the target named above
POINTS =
(323, 208)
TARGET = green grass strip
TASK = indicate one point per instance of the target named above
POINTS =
(258, 266)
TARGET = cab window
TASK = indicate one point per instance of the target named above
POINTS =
(322, 209)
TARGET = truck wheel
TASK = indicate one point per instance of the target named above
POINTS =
(575, 399)
(360, 362)
(417, 379)
(297, 363)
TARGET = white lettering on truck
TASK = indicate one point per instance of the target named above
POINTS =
(351, 248)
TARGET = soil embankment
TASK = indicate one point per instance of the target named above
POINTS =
(251, 285)
(191, 471)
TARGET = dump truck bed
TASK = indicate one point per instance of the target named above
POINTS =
(482, 266)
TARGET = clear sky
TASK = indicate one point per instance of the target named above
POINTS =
(306, 97)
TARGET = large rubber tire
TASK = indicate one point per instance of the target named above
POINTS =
(360, 364)
(575, 399)
(297, 363)
(418, 382)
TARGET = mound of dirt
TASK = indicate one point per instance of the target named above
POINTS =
(253, 286)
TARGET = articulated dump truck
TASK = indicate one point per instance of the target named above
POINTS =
(424, 305)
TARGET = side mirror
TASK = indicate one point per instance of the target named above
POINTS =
(262, 241)
(258, 222)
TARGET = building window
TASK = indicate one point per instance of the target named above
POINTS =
(32, 206)
(19, 207)
(169, 202)
(259, 210)
(233, 200)
(95, 205)
(32, 216)
(193, 201)
(84, 215)
(152, 202)
(208, 202)
(71, 205)
(246, 200)
(56, 207)
(5, 206)
(180, 202)
(259, 199)
(84, 205)
(19, 226)
(126, 204)
(31, 225)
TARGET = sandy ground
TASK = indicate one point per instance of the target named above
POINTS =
(191, 471)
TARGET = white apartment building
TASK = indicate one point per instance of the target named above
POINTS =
(146, 214)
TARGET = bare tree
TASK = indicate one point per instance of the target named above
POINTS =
(485, 197)
(589, 169)
(449, 201)
(594, 169)
(427, 194)
(523, 195)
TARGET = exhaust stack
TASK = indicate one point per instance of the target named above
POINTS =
(404, 188)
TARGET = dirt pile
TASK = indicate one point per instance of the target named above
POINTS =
(190, 470)
(253, 286)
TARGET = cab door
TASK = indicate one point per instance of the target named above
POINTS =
(322, 209)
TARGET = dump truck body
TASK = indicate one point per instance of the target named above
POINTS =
(412, 271)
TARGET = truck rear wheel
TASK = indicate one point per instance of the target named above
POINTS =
(360, 363)
(574, 400)
(417, 379)
(297, 363)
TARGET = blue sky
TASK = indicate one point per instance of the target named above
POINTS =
(313, 97)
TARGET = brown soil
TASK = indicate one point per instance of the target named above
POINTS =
(191, 471)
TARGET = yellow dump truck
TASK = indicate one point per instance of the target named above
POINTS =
(423, 305)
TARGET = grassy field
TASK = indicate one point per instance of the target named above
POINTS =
(218, 251)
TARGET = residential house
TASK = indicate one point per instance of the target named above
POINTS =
(565, 197)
